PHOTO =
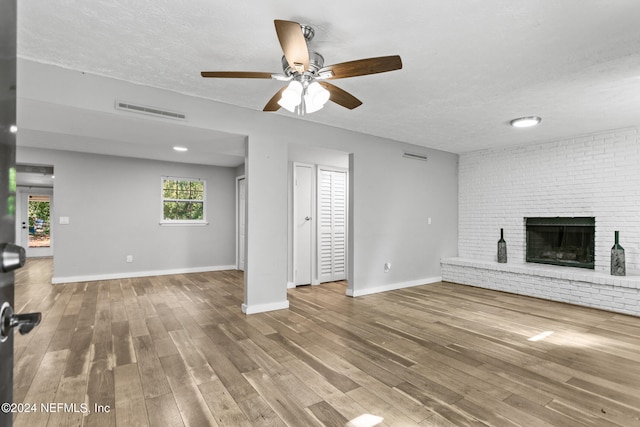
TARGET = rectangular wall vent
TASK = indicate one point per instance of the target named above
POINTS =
(415, 156)
(39, 169)
(126, 106)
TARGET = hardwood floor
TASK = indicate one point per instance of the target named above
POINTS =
(176, 350)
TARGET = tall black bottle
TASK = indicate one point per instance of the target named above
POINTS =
(618, 267)
(502, 248)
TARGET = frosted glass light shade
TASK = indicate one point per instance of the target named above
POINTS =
(292, 96)
(316, 97)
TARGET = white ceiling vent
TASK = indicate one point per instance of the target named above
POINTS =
(415, 156)
(151, 111)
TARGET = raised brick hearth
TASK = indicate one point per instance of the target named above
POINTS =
(565, 284)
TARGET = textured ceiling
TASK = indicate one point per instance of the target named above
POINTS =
(469, 66)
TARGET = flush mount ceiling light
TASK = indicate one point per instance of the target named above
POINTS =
(308, 90)
(181, 149)
(525, 122)
(13, 129)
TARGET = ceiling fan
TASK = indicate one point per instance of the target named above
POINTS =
(308, 89)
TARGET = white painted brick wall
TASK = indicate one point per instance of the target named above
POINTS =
(596, 175)
(593, 176)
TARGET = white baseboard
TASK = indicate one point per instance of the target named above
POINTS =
(291, 285)
(261, 308)
(393, 286)
(133, 274)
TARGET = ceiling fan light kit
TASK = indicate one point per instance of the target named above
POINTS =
(304, 69)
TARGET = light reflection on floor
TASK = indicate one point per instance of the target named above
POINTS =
(365, 420)
(578, 340)
(541, 336)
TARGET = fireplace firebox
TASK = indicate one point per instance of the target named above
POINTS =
(567, 241)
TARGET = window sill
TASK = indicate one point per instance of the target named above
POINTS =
(183, 224)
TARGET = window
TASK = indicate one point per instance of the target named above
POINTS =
(183, 201)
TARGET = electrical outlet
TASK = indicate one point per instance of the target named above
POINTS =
(129, 258)
(387, 267)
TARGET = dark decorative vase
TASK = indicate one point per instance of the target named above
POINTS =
(617, 259)
(502, 248)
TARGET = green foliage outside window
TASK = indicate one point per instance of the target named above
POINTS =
(39, 212)
(183, 199)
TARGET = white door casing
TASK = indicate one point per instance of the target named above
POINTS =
(241, 203)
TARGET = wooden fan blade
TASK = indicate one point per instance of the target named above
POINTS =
(362, 67)
(236, 74)
(341, 96)
(293, 44)
(273, 105)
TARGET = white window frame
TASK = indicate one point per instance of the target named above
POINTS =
(183, 222)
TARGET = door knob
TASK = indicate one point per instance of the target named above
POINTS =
(13, 257)
(307, 218)
(24, 322)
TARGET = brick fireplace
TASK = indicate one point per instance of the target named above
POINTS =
(594, 176)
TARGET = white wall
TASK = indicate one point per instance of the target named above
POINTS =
(594, 176)
(393, 196)
(113, 205)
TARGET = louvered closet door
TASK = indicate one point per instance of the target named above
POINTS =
(332, 225)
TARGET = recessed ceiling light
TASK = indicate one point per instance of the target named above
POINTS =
(525, 122)
(182, 149)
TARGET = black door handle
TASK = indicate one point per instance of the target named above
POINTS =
(24, 322)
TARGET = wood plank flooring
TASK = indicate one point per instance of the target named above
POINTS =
(177, 351)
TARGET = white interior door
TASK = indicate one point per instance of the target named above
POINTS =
(242, 229)
(332, 225)
(35, 222)
(303, 224)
